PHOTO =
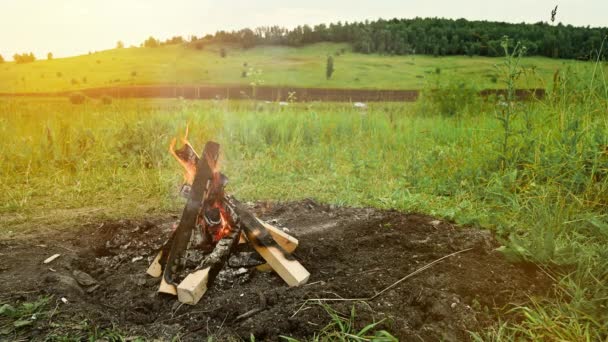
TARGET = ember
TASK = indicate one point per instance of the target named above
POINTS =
(211, 225)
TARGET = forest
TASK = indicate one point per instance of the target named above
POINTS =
(429, 36)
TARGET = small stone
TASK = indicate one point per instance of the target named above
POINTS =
(241, 270)
(435, 223)
(64, 300)
(83, 278)
(137, 258)
(454, 305)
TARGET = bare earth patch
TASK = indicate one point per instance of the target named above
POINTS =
(350, 253)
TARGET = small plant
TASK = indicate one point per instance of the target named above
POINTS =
(244, 74)
(343, 328)
(77, 98)
(506, 112)
(106, 100)
(223, 53)
(133, 73)
(27, 314)
(84, 79)
(75, 81)
(59, 74)
(329, 67)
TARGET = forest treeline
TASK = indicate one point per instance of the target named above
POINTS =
(430, 36)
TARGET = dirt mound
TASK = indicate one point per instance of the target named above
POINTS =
(350, 253)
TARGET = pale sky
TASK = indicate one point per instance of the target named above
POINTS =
(73, 27)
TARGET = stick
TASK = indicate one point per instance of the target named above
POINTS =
(423, 268)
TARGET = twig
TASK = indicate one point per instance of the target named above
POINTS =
(427, 266)
(53, 313)
(252, 312)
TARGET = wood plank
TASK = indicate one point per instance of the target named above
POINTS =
(167, 288)
(155, 269)
(193, 287)
(283, 263)
(288, 242)
(291, 271)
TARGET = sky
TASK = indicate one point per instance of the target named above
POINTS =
(74, 27)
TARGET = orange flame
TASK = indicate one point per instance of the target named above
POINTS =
(189, 164)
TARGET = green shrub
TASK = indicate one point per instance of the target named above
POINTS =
(77, 98)
(449, 97)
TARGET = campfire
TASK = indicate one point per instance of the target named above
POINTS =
(212, 224)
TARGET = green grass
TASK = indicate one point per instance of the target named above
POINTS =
(545, 193)
(303, 67)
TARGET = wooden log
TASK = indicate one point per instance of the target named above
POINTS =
(155, 269)
(167, 288)
(288, 242)
(200, 188)
(283, 263)
(194, 286)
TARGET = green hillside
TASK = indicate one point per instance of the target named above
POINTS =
(279, 65)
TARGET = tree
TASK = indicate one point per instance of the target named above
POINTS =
(1, 59)
(222, 52)
(49, 56)
(151, 42)
(329, 67)
(24, 58)
(120, 44)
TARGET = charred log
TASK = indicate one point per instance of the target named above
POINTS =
(194, 206)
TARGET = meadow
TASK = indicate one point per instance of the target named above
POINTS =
(274, 65)
(536, 173)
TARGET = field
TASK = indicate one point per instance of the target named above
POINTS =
(270, 65)
(534, 173)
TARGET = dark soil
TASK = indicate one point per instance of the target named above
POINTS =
(350, 253)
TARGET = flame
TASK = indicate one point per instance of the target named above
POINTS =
(188, 157)
(224, 228)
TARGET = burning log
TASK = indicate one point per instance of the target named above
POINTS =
(201, 185)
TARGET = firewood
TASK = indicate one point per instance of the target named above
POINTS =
(199, 192)
(167, 288)
(283, 263)
(155, 269)
(288, 242)
(193, 287)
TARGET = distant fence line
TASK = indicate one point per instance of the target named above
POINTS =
(266, 93)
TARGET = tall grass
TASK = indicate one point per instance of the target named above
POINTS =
(545, 192)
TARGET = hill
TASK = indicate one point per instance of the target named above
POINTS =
(270, 65)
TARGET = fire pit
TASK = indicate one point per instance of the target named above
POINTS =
(212, 224)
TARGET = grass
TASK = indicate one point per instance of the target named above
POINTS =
(303, 66)
(544, 192)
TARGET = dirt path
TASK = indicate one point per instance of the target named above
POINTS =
(349, 252)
